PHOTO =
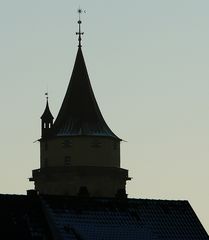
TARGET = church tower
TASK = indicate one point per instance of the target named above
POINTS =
(79, 154)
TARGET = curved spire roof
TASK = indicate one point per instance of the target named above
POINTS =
(80, 113)
(47, 116)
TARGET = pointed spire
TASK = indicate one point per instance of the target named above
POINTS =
(46, 120)
(79, 33)
(47, 116)
(80, 113)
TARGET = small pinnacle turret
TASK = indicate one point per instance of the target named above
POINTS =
(46, 120)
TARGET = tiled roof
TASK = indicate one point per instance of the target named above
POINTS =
(125, 219)
(73, 218)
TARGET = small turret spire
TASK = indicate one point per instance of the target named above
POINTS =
(79, 33)
(46, 119)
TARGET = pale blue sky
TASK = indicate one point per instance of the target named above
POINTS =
(149, 66)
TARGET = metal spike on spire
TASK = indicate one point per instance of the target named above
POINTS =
(79, 33)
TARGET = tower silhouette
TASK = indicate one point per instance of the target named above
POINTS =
(79, 153)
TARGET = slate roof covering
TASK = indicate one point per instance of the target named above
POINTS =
(58, 217)
(80, 113)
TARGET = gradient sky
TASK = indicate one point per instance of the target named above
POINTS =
(148, 63)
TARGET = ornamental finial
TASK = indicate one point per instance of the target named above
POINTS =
(47, 96)
(79, 33)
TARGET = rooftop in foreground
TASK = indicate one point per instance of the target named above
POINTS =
(61, 217)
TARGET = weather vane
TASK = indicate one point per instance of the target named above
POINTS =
(79, 33)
